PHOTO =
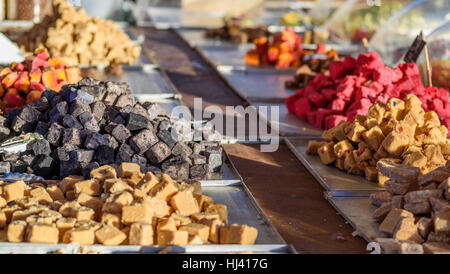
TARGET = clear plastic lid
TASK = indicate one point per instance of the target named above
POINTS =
(323, 10)
(359, 19)
(438, 43)
(396, 36)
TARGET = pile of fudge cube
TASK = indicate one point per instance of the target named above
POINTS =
(414, 212)
(399, 131)
(353, 85)
(120, 206)
(93, 123)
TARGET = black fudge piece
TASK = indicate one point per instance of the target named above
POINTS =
(72, 136)
(181, 149)
(158, 153)
(54, 134)
(136, 122)
(30, 114)
(71, 122)
(200, 172)
(77, 108)
(95, 140)
(176, 168)
(98, 109)
(41, 147)
(104, 155)
(82, 156)
(81, 96)
(165, 136)
(41, 128)
(44, 166)
(124, 154)
(143, 141)
(121, 133)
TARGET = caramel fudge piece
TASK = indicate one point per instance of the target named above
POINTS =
(406, 230)
(16, 231)
(27, 202)
(180, 219)
(65, 224)
(41, 195)
(164, 190)
(373, 137)
(14, 191)
(205, 215)
(326, 153)
(442, 222)
(148, 182)
(363, 153)
(136, 213)
(141, 234)
(436, 248)
(68, 183)
(397, 172)
(9, 210)
(342, 147)
(313, 147)
(380, 213)
(179, 238)
(395, 143)
(69, 209)
(104, 172)
(43, 234)
(111, 219)
(377, 112)
(127, 170)
(166, 224)
(55, 193)
(416, 159)
(389, 245)
(89, 187)
(411, 248)
(110, 235)
(422, 195)
(95, 203)
(116, 185)
(424, 226)
(195, 229)
(194, 240)
(371, 173)
(82, 236)
(3, 220)
(84, 214)
(395, 108)
(238, 234)
(159, 208)
(117, 201)
(3, 202)
(184, 203)
(396, 188)
(219, 209)
(214, 228)
(356, 131)
(392, 219)
(202, 200)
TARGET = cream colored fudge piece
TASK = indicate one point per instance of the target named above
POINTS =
(141, 234)
(136, 213)
(214, 228)
(14, 191)
(90, 187)
(103, 172)
(313, 147)
(111, 219)
(195, 229)
(179, 238)
(165, 189)
(82, 236)
(238, 234)
(220, 209)
(127, 170)
(159, 208)
(42, 234)
(166, 224)
(326, 153)
(110, 235)
(41, 195)
(16, 231)
(55, 193)
(184, 203)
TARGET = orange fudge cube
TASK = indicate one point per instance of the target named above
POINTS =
(110, 235)
(136, 213)
(184, 203)
(14, 191)
(43, 234)
(199, 230)
(82, 236)
(127, 170)
(89, 187)
(238, 234)
(16, 231)
(172, 238)
(141, 234)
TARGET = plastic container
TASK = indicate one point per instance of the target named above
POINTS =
(393, 40)
(438, 43)
(359, 19)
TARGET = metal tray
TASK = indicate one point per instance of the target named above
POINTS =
(242, 209)
(357, 211)
(289, 124)
(142, 79)
(336, 182)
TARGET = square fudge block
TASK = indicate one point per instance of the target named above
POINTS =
(159, 208)
(392, 219)
(16, 231)
(110, 235)
(214, 228)
(141, 234)
(43, 234)
(179, 238)
(136, 213)
(326, 153)
(127, 170)
(195, 229)
(104, 172)
(81, 236)
(442, 222)
(238, 234)
(111, 219)
(14, 191)
(90, 187)
(41, 195)
(165, 189)
(184, 203)
(406, 230)
(220, 209)
(373, 137)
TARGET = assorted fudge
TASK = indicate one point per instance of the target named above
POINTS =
(235, 29)
(352, 86)
(398, 131)
(95, 123)
(414, 212)
(79, 39)
(117, 206)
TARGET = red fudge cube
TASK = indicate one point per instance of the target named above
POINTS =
(339, 104)
(349, 63)
(383, 75)
(333, 120)
(337, 70)
(290, 102)
(317, 99)
(302, 107)
(329, 93)
(346, 88)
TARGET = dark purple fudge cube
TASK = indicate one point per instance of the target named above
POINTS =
(94, 140)
(158, 153)
(121, 133)
(142, 141)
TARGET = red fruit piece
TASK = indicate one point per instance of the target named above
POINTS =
(33, 96)
(13, 99)
(329, 93)
(35, 76)
(50, 79)
(345, 88)
(302, 107)
(23, 82)
(5, 72)
(339, 104)
(10, 79)
(37, 86)
(38, 63)
(42, 54)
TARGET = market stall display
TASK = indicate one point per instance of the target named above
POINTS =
(395, 37)
(354, 85)
(239, 30)
(398, 130)
(23, 83)
(414, 212)
(94, 123)
(124, 207)
(313, 64)
(79, 39)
